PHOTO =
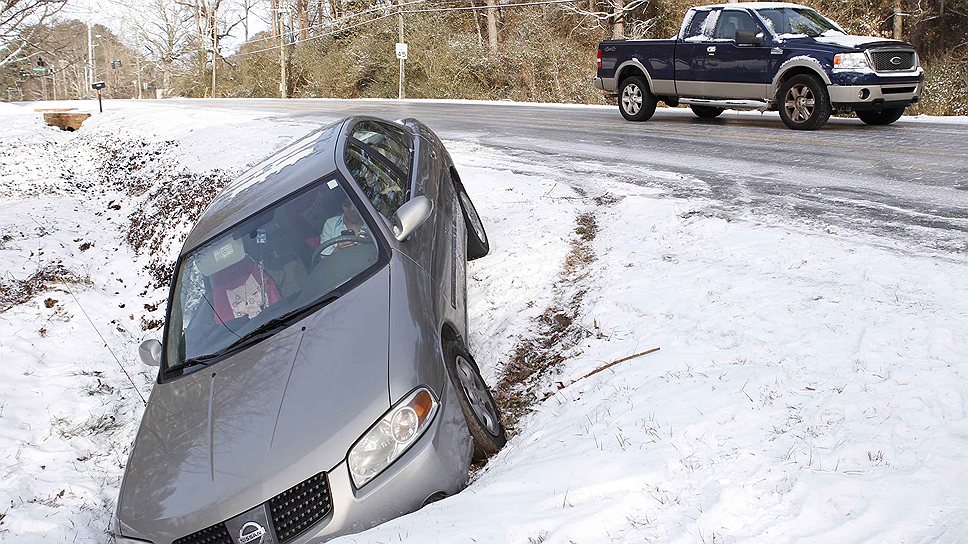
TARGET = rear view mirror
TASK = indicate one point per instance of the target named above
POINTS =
(748, 37)
(411, 215)
(150, 352)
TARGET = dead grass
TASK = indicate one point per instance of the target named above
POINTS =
(14, 292)
(535, 358)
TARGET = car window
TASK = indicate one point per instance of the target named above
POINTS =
(733, 21)
(272, 265)
(383, 183)
(391, 142)
(695, 29)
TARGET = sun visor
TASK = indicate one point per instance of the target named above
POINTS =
(220, 256)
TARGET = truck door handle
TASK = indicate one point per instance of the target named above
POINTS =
(711, 49)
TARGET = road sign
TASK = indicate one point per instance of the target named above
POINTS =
(402, 51)
(41, 71)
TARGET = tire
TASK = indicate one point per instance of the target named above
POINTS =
(804, 103)
(635, 100)
(475, 399)
(477, 244)
(706, 112)
(884, 117)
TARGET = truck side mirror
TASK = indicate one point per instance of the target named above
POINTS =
(748, 37)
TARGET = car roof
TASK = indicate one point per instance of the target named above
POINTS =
(286, 171)
(755, 5)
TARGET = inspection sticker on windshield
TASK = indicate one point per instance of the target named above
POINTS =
(332, 183)
(224, 252)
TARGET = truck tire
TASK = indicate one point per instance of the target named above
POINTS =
(706, 112)
(635, 100)
(804, 103)
(884, 117)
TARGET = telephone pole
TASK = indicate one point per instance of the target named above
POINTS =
(90, 57)
(214, 48)
(283, 84)
(400, 92)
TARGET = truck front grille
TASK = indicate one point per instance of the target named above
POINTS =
(216, 534)
(892, 60)
(298, 508)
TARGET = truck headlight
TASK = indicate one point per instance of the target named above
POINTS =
(850, 61)
(392, 435)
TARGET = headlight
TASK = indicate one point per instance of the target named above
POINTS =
(396, 431)
(850, 61)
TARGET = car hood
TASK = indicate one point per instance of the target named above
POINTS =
(225, 439)
(845, 41)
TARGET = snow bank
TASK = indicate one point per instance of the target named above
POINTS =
(810, 387)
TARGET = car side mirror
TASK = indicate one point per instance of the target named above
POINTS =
(411, 215)
(748, 37)
(150, 352)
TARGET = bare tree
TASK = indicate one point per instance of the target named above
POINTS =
(18, 20)
(165, 30)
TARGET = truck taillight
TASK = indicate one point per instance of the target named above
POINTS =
(598, 61)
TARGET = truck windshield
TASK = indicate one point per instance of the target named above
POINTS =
(788, 22)
(260, 275)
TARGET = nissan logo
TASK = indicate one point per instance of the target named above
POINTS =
(251, 532)
(896, 61)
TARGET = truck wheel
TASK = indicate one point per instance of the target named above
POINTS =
(706, 112)
(884, 117)
(480, 410)
(804, 103)
(635, 100)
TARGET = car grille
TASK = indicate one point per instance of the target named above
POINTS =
(892, 60)
(216, 534)
(300, 507)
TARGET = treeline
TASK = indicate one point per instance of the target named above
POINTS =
(478, 49)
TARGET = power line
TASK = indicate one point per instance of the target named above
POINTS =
(397, 12)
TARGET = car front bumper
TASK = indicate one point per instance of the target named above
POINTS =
(875, 96)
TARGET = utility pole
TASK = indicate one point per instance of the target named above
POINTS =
(283, 84)
(90, 58)
(214, 48)
(400, 93)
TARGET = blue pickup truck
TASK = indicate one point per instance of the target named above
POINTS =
(766, 56)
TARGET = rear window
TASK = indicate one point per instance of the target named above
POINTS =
(733, 21)
(695, 28)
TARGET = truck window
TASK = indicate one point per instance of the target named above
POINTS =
(732, 21)
(695, 28)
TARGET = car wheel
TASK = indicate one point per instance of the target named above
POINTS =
(884, 117)
(804, 103)
(635, 100)
(476, 401)
(706, 112)
(477, 245)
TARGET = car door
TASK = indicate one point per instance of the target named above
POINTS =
(694, 38)
(733, 70)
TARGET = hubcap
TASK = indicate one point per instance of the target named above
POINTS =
(799, 103)
(477, 395)
(632, 99)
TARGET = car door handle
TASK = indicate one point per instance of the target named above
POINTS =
(711, 49)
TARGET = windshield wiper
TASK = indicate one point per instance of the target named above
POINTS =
(276, 323)
(201, 360)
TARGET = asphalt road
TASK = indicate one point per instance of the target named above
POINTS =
(907, 181)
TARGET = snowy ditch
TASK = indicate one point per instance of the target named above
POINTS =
(810, 386)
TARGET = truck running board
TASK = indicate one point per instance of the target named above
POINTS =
(727, 104)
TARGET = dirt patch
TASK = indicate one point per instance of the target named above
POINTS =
(535, 358)
(14, 292)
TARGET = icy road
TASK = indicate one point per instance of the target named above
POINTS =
(910, 179)
(808, 291)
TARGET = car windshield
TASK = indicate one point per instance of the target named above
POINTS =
(786, 22)
(270, 269)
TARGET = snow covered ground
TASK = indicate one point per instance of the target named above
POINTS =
(810, 384)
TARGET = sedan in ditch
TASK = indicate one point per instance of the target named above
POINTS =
(315, 378)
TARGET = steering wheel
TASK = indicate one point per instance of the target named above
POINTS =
(362, 238)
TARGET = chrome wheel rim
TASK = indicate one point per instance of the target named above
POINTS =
(632, 99)
(799, 103)
(477, 395)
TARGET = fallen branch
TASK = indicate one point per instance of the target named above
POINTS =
(603, 367)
